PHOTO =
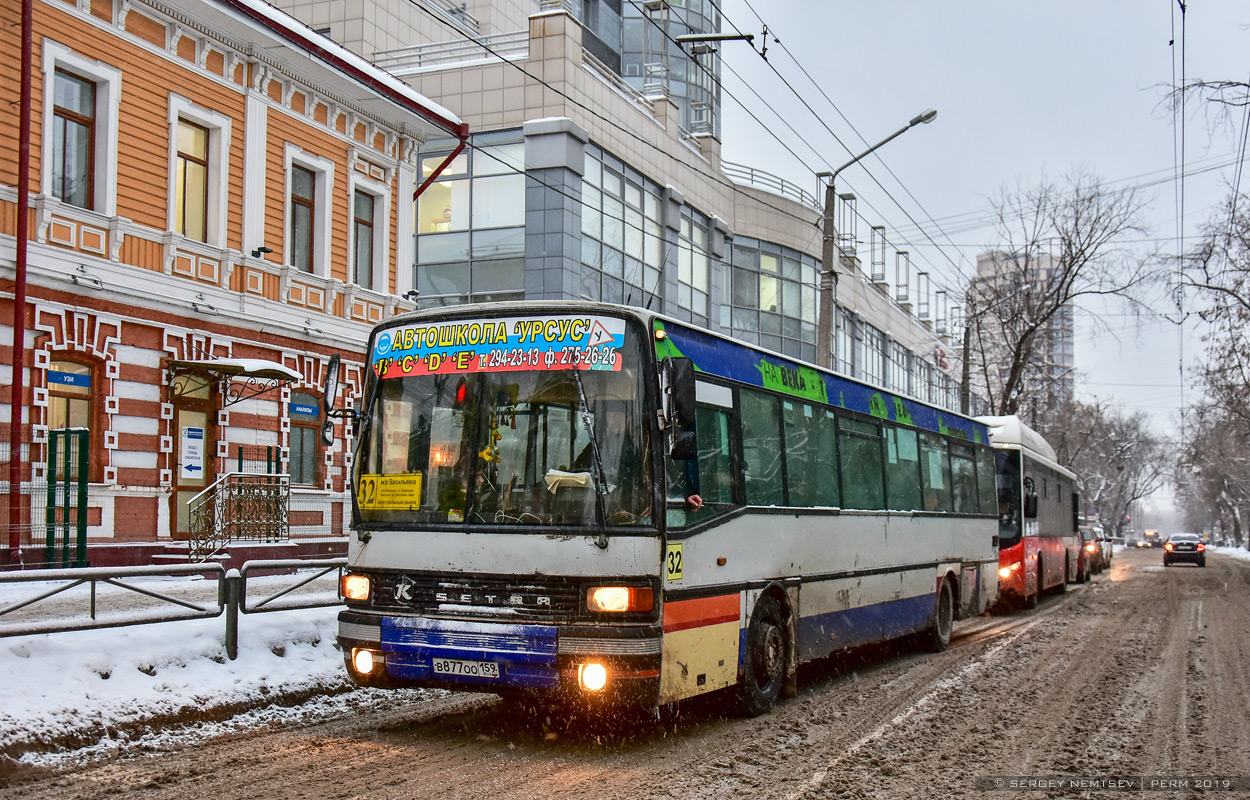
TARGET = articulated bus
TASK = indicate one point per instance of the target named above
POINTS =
(599, 505)
(1038, 514)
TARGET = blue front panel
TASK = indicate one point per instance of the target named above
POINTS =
(526, 654)
(827, 633)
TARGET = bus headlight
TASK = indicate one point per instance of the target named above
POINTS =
(365, 661)
(619, 598)
(356, 587)
(1005, 572)
(592, 676)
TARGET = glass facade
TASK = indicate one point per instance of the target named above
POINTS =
(649, 56)
(470, 223)
(622, 239)
(771, 297)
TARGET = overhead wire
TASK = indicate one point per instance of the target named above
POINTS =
(958, 269)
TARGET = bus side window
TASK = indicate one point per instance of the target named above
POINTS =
(811, 458)
(761, 449)
(902, 469)
(715, 462)
(986, 489)
(860, 463)
(963, 478)
(936, 471)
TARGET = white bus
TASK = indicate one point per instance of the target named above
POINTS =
(605, 505)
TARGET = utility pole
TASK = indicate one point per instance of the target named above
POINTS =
(829, 278)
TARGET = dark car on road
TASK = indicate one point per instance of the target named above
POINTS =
(1184, 547)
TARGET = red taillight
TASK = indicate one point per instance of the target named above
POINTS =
(1201, 547)
(1167, 546)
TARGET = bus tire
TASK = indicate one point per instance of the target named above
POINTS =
(938, 637)
(1063, 585)
(1031, 600)
(764, 662)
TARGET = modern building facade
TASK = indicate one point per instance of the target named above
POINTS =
(218, 201)
(589, 181)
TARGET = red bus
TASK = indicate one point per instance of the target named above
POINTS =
(1038, 508)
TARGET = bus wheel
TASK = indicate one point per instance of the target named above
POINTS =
(938, 637)
(764, 667)
(1063, 584)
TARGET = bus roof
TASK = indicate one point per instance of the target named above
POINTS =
(1009, 432)
(717, 355)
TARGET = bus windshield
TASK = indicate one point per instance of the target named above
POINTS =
(505, 440)
(1010, 502)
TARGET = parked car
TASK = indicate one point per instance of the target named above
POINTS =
(1184, 547)
(1089, 558)
(1107, 550)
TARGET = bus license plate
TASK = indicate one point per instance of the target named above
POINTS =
(473, 669)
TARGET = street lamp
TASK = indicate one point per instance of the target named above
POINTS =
(828, 278)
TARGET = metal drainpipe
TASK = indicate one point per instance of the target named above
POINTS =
(16, 427)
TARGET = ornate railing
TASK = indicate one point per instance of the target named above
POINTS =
(239, 507)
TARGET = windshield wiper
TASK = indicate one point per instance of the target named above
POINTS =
(601, 483)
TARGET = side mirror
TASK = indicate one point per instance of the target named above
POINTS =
(1030, 499)
(328, 397)
(681, 388)
(685, 446)
(678, 374)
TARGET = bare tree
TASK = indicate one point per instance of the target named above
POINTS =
(1214, 471)
(1117, 459)
(1059, 242)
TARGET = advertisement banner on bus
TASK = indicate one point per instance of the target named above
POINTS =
(506, 344)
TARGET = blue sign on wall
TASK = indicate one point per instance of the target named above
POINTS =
(69, 379)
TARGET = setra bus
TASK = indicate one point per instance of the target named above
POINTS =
(1038, 514)
(603, 505)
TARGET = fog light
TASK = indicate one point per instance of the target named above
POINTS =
(363, 660)
(355, 587)
(592, 677)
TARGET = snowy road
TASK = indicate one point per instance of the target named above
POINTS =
(1142, 672)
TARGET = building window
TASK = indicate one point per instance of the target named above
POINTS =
(303, 212)
(191, 182)
(198, 155)
(80, 115)
(73, 140)
(470, 225)
(310, 181)
(362, 238)
(694, 266)
(305, 415)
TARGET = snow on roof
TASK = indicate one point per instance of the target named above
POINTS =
(339, 59)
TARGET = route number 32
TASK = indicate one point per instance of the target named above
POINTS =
(673, 562)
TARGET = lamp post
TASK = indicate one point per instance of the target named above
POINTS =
(829, 278)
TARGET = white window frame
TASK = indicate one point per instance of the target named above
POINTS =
(218, 125)
(108, 82)
(381, 229)
(323, 171)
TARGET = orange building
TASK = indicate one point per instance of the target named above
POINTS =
(219, 198)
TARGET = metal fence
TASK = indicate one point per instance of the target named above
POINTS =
(66, 600)
(52, 497)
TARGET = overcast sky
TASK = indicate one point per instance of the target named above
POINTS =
(1021, 89)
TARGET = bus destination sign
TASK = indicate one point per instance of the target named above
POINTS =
(506, 344)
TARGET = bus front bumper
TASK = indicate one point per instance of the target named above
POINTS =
(566, 660)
